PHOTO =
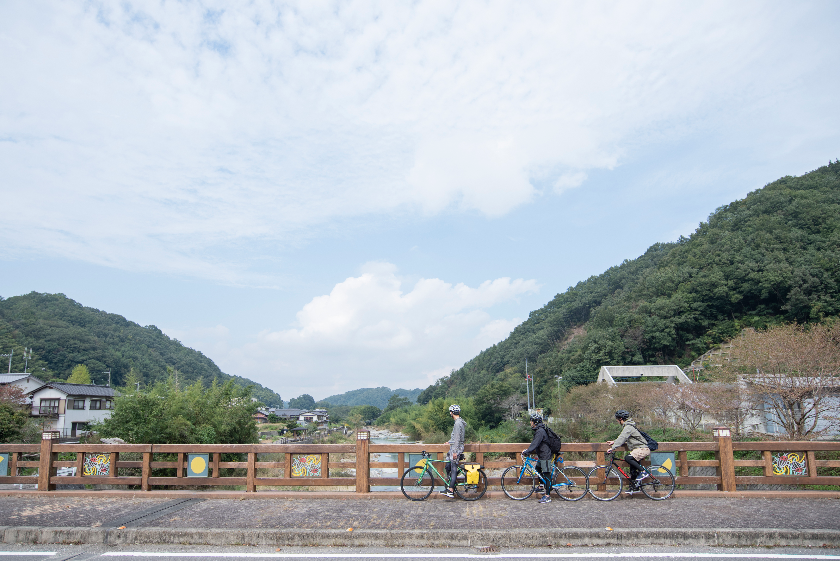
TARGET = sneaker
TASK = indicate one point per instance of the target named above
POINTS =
(446, 493)
(545, 499)
(641, 477)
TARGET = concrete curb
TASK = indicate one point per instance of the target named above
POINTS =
(518, 538)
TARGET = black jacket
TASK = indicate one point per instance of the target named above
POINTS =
(540, 443)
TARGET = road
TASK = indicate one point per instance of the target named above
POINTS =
(157, 553)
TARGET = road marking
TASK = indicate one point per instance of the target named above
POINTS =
(2, 553)
(449, 555)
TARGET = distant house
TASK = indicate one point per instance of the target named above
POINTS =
(26, 382)
(285, 413)
(318, 417)
(260, 417)
(68, 408)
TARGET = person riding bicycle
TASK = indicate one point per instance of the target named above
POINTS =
(636, 445)
(456, 448)
(539, 445)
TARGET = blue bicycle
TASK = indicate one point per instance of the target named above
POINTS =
(570, 483)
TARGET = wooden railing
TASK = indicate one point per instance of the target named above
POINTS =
(139, 465)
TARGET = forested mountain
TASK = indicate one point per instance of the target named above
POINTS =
(772, 257)
(63, 333)
(378, 397)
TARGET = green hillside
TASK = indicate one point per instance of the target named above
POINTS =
(378, 397)
(772, 257)
(63, 333)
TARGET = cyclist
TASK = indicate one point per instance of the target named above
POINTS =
(539, 445)
(635, 443)
(456, 448)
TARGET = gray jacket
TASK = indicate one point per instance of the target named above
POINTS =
(630, 436)
(456, 439)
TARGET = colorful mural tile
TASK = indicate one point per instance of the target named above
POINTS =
(790, 463)
(306, 465)
(198, 465)
(96, 464)
(4, 465)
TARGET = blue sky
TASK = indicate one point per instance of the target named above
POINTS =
(324, 196)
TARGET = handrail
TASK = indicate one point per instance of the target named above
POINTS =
(309, 465)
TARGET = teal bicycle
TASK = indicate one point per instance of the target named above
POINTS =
(570, 483)
(418, 482)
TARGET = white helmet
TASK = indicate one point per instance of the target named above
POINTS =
(455, 409)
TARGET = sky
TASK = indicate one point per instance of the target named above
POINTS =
(326, 196)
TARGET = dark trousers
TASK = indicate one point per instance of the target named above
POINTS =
(451, 471)
(635, 467)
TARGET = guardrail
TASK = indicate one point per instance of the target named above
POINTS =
(310, 465)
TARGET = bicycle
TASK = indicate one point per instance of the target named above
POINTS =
(423, 476)
(658, 485)
(520, 482)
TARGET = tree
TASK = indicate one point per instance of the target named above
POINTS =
(165, 414)
(396, 402)
(305, 401)
(368, 413)
(79, 375)
(15, 423)
(792, 373)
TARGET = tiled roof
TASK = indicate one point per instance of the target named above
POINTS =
(9, 378)
(82, 389)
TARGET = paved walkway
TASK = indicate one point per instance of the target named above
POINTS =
(188, 518)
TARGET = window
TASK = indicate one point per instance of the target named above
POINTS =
(48, 407)
(95, 404)
(78, 404)
(109, 404)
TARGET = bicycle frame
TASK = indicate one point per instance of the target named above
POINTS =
(428, 465)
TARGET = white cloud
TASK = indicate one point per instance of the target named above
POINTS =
(182, 137)
(376, 329)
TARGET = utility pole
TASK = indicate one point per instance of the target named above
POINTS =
(527, 390)
(108, 372)
(27, 354)
(10, 360)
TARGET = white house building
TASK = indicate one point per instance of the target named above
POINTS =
(68, 408)
(26, 382)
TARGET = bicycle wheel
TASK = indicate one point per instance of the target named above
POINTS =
(470, 491)
(518, 487)
(660, 484)
(416, 485)
(605, 483)
(570, 483)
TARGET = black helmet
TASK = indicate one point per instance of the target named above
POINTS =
(622, 414)
(536, 418)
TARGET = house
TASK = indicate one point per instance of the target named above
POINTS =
(68, 408)
(260, 417)
(318, 417)
(25, 381)
(286, 413)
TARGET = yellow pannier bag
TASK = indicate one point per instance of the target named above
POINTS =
(472, 473)
(421, 463)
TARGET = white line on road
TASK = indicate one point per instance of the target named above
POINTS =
(450, 555)
(30, 553)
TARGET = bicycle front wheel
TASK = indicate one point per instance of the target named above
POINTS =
(417, 484)
(570, 483)
(518, 485)
(470, 491)
(660, 484)
(605, 483)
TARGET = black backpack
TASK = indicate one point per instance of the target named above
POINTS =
(553, 440)
(651, 443)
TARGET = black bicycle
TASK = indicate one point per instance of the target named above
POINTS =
(607, 481)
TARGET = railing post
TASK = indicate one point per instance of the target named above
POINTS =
(363, 461)
(146, 471)
(47, 458)
(251, 478)
(726, 457)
